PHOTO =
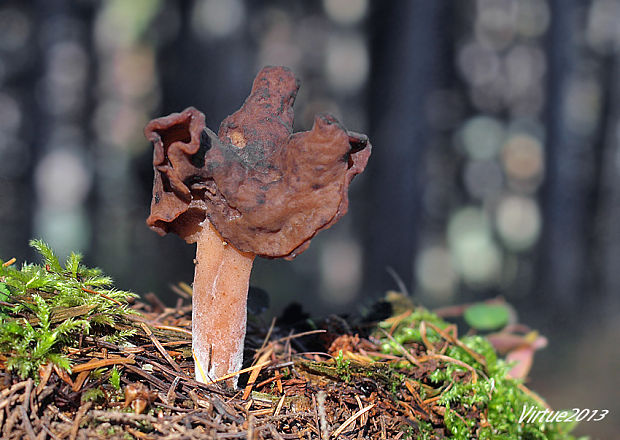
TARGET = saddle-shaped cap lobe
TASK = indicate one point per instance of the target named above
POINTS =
(266, 190)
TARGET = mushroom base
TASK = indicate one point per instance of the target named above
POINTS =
(219, 305)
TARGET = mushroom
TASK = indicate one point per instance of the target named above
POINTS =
(256, 188)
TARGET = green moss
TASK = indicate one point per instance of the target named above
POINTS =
(95, 395)
(342, 367)
(45, 307)
(115, 379)
(480, 400)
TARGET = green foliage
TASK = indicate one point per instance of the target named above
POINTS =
(342, 367)
(44, 308)
(487, 316)
(93, 395)
(115, 379)
(485, 405)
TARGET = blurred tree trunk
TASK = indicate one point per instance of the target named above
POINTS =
(408, 39)
(212, 74)
(607, 243)
(569, 171)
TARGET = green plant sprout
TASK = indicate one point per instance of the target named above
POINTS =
(46, 308)
(115, 379)
(470, 382)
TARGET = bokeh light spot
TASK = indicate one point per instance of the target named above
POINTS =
(435, 272)
(217, 18)
(482, 137)
(518, 222)
(346, 11)
(347, 63)
(476, 255)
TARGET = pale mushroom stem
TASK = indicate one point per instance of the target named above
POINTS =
(219, 305)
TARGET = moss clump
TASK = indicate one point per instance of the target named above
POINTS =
(469, 385)
(46, 308)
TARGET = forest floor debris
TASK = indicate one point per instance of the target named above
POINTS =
(131, 374)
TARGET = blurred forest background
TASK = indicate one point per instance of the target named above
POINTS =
(495, 169)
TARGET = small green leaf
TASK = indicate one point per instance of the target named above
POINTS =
(487, 316)
(4, 292)
(115, 379)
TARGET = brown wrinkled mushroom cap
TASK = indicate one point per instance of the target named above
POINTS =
(266, 190)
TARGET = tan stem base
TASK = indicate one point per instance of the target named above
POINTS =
(219, 305)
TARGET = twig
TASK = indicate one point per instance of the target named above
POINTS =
(274, 432)
(102, 295)
(279, 405)
(78, 418)
(236, 373)
(320, 400)
(443, 357)
(266, 340)
(400, 346)
(25, 406)
(351, 419)
(277, 377)
(174, 329)
(8, 263)
(160, 348)
(98, 363)
(170, 396)
(398, 280)
(254, 374)
(299, 335)
(47, 372)
(534, 396)
(478, 357)
(27, 424)
(182, 293)
(430, 348)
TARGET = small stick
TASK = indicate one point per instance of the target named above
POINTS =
(79, 381)
(429, 346)
(8, 263)
(437, 397)
(98, 363)
(383, 433)
(102, 295)
(251, 427)
(170, 396)
(24, 411)
(78, 418)
(271, 327)
(533, 395)
(27, 424)
(352, 419)
(254, 374)
(359, 403)
(320, 398)
(274, 432)
(279, 406)
(182, 293)
(480, 359)
(160, 347)
(279, 381)
(172, 328)
(408, 355)
(277, 377)
(236, 373)
(299, 335)
(186, 288)
(454, 361)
